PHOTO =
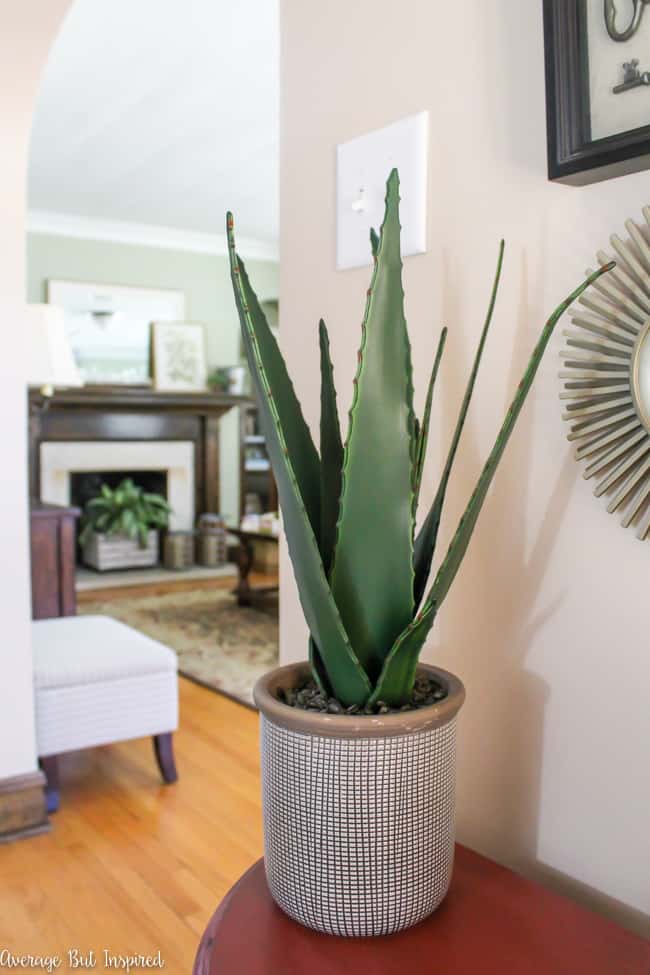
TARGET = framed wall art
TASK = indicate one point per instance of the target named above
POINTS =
(178, 356)
(597, 55)
(108, 326)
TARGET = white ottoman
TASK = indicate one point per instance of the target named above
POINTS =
(98, 681)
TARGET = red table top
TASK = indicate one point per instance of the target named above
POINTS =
(492, 922)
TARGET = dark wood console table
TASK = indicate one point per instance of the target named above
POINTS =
(133, 413)
(52, 538)
(493, 922)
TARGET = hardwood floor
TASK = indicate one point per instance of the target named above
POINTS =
(132, 865)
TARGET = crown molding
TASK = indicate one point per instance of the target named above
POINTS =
(145, 235)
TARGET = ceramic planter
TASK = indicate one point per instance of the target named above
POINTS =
(358, 811)
(105, 552)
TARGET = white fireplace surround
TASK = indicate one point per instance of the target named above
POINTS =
(174, 457)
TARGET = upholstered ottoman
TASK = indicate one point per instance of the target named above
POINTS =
(99, 681)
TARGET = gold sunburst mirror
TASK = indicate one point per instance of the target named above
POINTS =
(606, 379)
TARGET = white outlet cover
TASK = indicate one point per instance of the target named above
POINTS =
(363, 166)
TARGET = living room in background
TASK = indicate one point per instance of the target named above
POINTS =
(125, 241)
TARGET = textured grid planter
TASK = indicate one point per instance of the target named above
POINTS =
(106, 552)
(358, 811)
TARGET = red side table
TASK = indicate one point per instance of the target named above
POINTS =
(492, 922)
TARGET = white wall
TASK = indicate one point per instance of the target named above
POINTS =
(27, 31)
(547, 622)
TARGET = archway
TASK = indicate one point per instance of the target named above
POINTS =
(142, 140)
(30, 30)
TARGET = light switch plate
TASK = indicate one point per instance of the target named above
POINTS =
(363, 166)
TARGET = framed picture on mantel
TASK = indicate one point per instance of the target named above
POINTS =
(597, 55)
(178, 356)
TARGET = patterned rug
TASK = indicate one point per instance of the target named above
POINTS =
(219, 644)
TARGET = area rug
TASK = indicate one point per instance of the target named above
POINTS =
(219, 644)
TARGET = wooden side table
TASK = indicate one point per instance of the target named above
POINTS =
(245, 592)
(53, 557)
(493, 922)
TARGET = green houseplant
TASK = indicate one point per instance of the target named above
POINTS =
(119, 527)
(362, 571)
(219, 379)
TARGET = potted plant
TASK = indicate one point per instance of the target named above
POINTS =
(119, 528)
(358, 744)
(228, 379)
(219, 379)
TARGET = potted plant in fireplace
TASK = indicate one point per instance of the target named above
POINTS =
(120, 527)
(358, 743)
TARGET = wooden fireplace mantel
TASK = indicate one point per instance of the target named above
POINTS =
(127, 413)
(138, 397)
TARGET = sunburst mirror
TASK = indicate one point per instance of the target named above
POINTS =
(606, 379)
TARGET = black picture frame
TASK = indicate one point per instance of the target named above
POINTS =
(573, 157)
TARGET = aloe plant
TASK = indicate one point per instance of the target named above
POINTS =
(350, 511)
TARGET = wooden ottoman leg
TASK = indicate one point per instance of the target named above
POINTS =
(50, 767)
(164, 749)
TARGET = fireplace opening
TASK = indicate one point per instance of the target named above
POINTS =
(85, 485)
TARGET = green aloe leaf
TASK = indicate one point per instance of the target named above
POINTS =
(427, 537)
(319, 673)
(396, 679)
(422, 430)
(331, 451)
(372, 573)
(398, 674)
(288, 440)
(296, 435)
(297, 438)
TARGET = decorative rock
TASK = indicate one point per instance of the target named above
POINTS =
(310, 697)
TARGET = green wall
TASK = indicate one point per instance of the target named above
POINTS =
(204, 279)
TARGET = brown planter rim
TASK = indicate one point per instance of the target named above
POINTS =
(266, 689)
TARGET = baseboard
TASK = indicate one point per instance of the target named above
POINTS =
(22, 806)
